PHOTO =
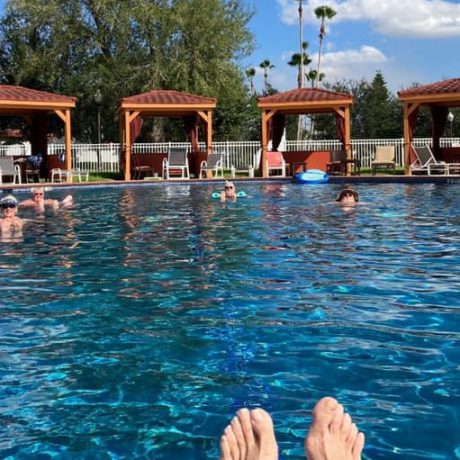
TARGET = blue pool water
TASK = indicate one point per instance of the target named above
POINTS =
(134, 325)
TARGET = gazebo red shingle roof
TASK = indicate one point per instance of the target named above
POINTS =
(159, 96)
(441, 87)
(19, 93)
(304, 95)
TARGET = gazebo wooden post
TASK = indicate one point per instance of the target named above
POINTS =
(346, 116)
(121, 136)
(406, 139)
(68, 142)
(64, 115)
(127, 146)
(207, 118)
(209, 132)
(407, 111)
(266, 116)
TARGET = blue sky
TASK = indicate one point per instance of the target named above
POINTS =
(408, 40)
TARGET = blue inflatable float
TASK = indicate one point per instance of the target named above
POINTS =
(312, 176)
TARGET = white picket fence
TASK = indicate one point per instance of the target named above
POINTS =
(105, 157)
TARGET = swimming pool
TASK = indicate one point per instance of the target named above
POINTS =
(135, 324)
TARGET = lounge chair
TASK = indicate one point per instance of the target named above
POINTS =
(338, 164)
(249, 170)
(213, 164)
(384, 158)
(275, 162)
(177, 161)
(61, 175)
(427, 163)
(9, 169)
(140, 170)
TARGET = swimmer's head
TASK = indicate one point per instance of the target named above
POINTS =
(38, 193)
(229, 185)
(347, 193)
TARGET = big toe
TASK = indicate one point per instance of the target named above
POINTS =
(263, 428)
(325, 410)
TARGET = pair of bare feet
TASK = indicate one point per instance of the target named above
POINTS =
(332, 436)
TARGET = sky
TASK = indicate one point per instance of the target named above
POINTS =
(409, 41)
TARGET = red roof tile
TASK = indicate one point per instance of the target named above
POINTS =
(304, 95)
(440, 87)
(168, 97)
(19, 93)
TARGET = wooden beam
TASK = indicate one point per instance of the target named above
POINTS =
(203, 115)
(127, 146)
(209, 131)
(406, 112)
(263, 158)
(346, 116)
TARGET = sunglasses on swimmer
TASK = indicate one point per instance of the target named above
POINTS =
(8, 205)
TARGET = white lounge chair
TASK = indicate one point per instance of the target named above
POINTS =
(214, 164)
(384, 158)
(177, 161)
(65, 175)
(9, 169)
(427, 163)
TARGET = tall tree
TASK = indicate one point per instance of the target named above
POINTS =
(322, 12)
(300, 61)
(379, 110)
(251, 73)
(266, 65)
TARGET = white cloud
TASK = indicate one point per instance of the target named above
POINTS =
(402, 18)
(365, 54)
(351, 64)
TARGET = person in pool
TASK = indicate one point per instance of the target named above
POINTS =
(332, 435)
(39, 202)
(347, 197)
(229, 192)
(10, 224)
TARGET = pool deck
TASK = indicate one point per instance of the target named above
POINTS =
(362, 179)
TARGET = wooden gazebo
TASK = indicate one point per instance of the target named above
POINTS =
(299, 102)
(438, 97)
(35, 107)
(195, 111)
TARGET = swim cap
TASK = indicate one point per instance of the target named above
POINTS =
(8, 199)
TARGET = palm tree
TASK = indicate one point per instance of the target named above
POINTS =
(312, 76)
(296, 61)
(323, 13)
(266, 65)
(251, 73)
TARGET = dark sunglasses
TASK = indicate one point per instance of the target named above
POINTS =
(229, 188)
(38, 194)
(8, 205)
